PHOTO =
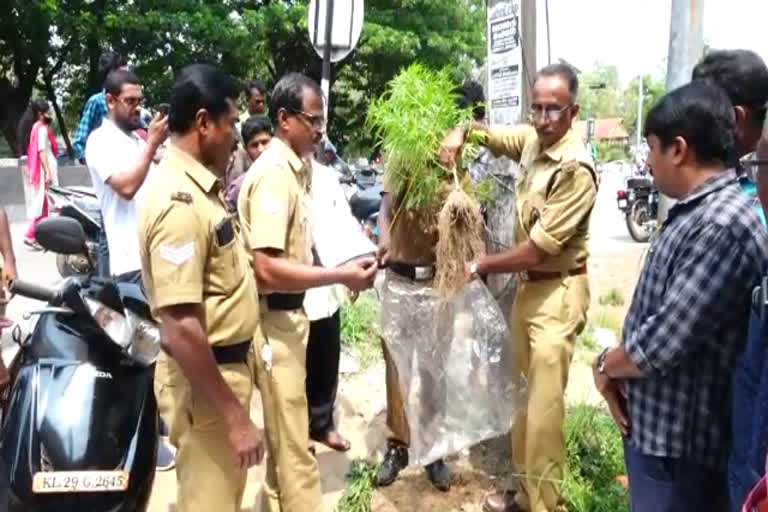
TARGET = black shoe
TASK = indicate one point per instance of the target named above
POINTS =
(395, 460)
(439, 475)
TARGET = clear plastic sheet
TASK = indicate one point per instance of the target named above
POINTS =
(453, 361)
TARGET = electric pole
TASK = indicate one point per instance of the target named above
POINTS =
(686, 47)
(639, 134)
(528, 42)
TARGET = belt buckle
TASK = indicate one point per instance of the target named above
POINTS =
(422, 273)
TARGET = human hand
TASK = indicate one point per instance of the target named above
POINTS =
(614, 393)
(382, 255)
(359, 275)
(246, 441)
(451, 145)
(9, 272)
(157, 131)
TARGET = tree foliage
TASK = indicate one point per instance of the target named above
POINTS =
(54, 46)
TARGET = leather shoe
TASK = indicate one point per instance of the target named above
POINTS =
(395, 460)
(502, 502)
(439, 474)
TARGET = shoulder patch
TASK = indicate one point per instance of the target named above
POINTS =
(182, 197)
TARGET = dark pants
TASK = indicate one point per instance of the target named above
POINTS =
(323, 352)
(133, 277)
(664, 484)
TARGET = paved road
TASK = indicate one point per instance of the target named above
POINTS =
(608, 229)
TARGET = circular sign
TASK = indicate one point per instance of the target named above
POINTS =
(347, 24)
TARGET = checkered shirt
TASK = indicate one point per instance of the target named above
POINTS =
(688, 323)
(93, 114)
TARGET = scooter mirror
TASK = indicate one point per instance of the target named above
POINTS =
(61, 235)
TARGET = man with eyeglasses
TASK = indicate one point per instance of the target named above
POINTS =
(555, 191)
(275, 213)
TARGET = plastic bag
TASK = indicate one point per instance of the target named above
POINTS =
(454, 365)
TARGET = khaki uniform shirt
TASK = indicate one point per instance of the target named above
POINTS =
(274, 204)
(555, 191)
(192, 252)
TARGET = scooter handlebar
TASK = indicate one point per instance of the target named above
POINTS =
(33, 291)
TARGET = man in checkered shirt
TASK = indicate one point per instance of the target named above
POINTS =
(688, 319)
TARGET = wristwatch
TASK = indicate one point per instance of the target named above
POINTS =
(473, 268)
(601, 360)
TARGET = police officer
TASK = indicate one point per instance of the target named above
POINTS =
(555, 191)
(200, 288)
(274, 209)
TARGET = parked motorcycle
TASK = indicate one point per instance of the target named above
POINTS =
(639, 202)
(80, 423)
(82, 205)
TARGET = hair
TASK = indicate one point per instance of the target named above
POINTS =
(199, 86)
(28, 119)
(255, 84)
(117, 79)
(471, 95)
(254, 125)
(289, 94)
(699, 112)
(565, 72)
(108, 62)
(742, 74)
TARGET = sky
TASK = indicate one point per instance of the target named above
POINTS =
(634, 34)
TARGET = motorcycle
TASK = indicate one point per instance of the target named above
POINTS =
(80, 422)
(639, 202)
(82, 205)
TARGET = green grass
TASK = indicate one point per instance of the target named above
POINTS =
(360, 329)
(607, 320)
(360, 484)
(587, 338)
(613, 298)
(595, 457)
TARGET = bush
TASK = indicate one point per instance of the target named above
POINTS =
(595, 457)
(360, 330)
(613, 298)
(360, 483)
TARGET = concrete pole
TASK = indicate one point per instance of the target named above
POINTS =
(325, 82)
(686, 47)
(639, 129)
(528, 41)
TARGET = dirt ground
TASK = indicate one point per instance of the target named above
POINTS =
(361, 416)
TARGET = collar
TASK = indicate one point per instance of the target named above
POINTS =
(556, 150)
(711, 185)
(297, 165)
(178, 158)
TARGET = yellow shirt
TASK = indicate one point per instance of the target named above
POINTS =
(192, 252)
(274, 204)
(555, 192)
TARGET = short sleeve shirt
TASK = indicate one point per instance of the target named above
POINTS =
(274, 204)
(109, 151)
(555, 191)
(192, 251)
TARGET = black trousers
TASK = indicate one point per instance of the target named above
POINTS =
(323, 352)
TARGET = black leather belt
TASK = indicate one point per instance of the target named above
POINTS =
(285, 301)
(413, 272)
(232, 354)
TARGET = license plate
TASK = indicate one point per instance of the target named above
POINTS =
(79, 481)
(622, 203)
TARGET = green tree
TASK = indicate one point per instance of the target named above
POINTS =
(600, 92)
(653, 90)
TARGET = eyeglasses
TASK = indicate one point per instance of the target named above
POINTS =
(131, 102)
(551, 112)
(315, 121)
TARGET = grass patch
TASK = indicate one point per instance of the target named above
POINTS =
(613, 298)
(595, 457)
(607, 320)
(587, 338)
(360, 332)
(360, 484)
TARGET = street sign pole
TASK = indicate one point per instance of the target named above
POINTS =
(325, 83)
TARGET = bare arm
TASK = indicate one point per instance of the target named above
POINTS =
(185, 340)
(6, 248)
(276, 273)
(618, 365)
(127, 183)
(384, 220)
(521, 257)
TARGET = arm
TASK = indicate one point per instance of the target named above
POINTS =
(6, 249)
(275, 273)
(712, 277)
(508, 142)
(384, 220)
(126, 183)
(522, 257)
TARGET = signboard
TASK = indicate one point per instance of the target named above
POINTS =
(505, 62)
(347, 24)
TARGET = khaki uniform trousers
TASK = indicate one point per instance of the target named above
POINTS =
(292, 482)
(164, 388)
(546, 318)
(207, 478)
(397, 422)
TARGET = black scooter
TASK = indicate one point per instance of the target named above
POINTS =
(80, 423)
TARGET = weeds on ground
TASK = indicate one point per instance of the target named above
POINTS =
(359, 492)
(613, 298)
(587, 338)
(360, 331)
(607, 320)
(595, 457)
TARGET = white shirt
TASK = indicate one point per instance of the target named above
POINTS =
(328, 204)
(109, 150)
